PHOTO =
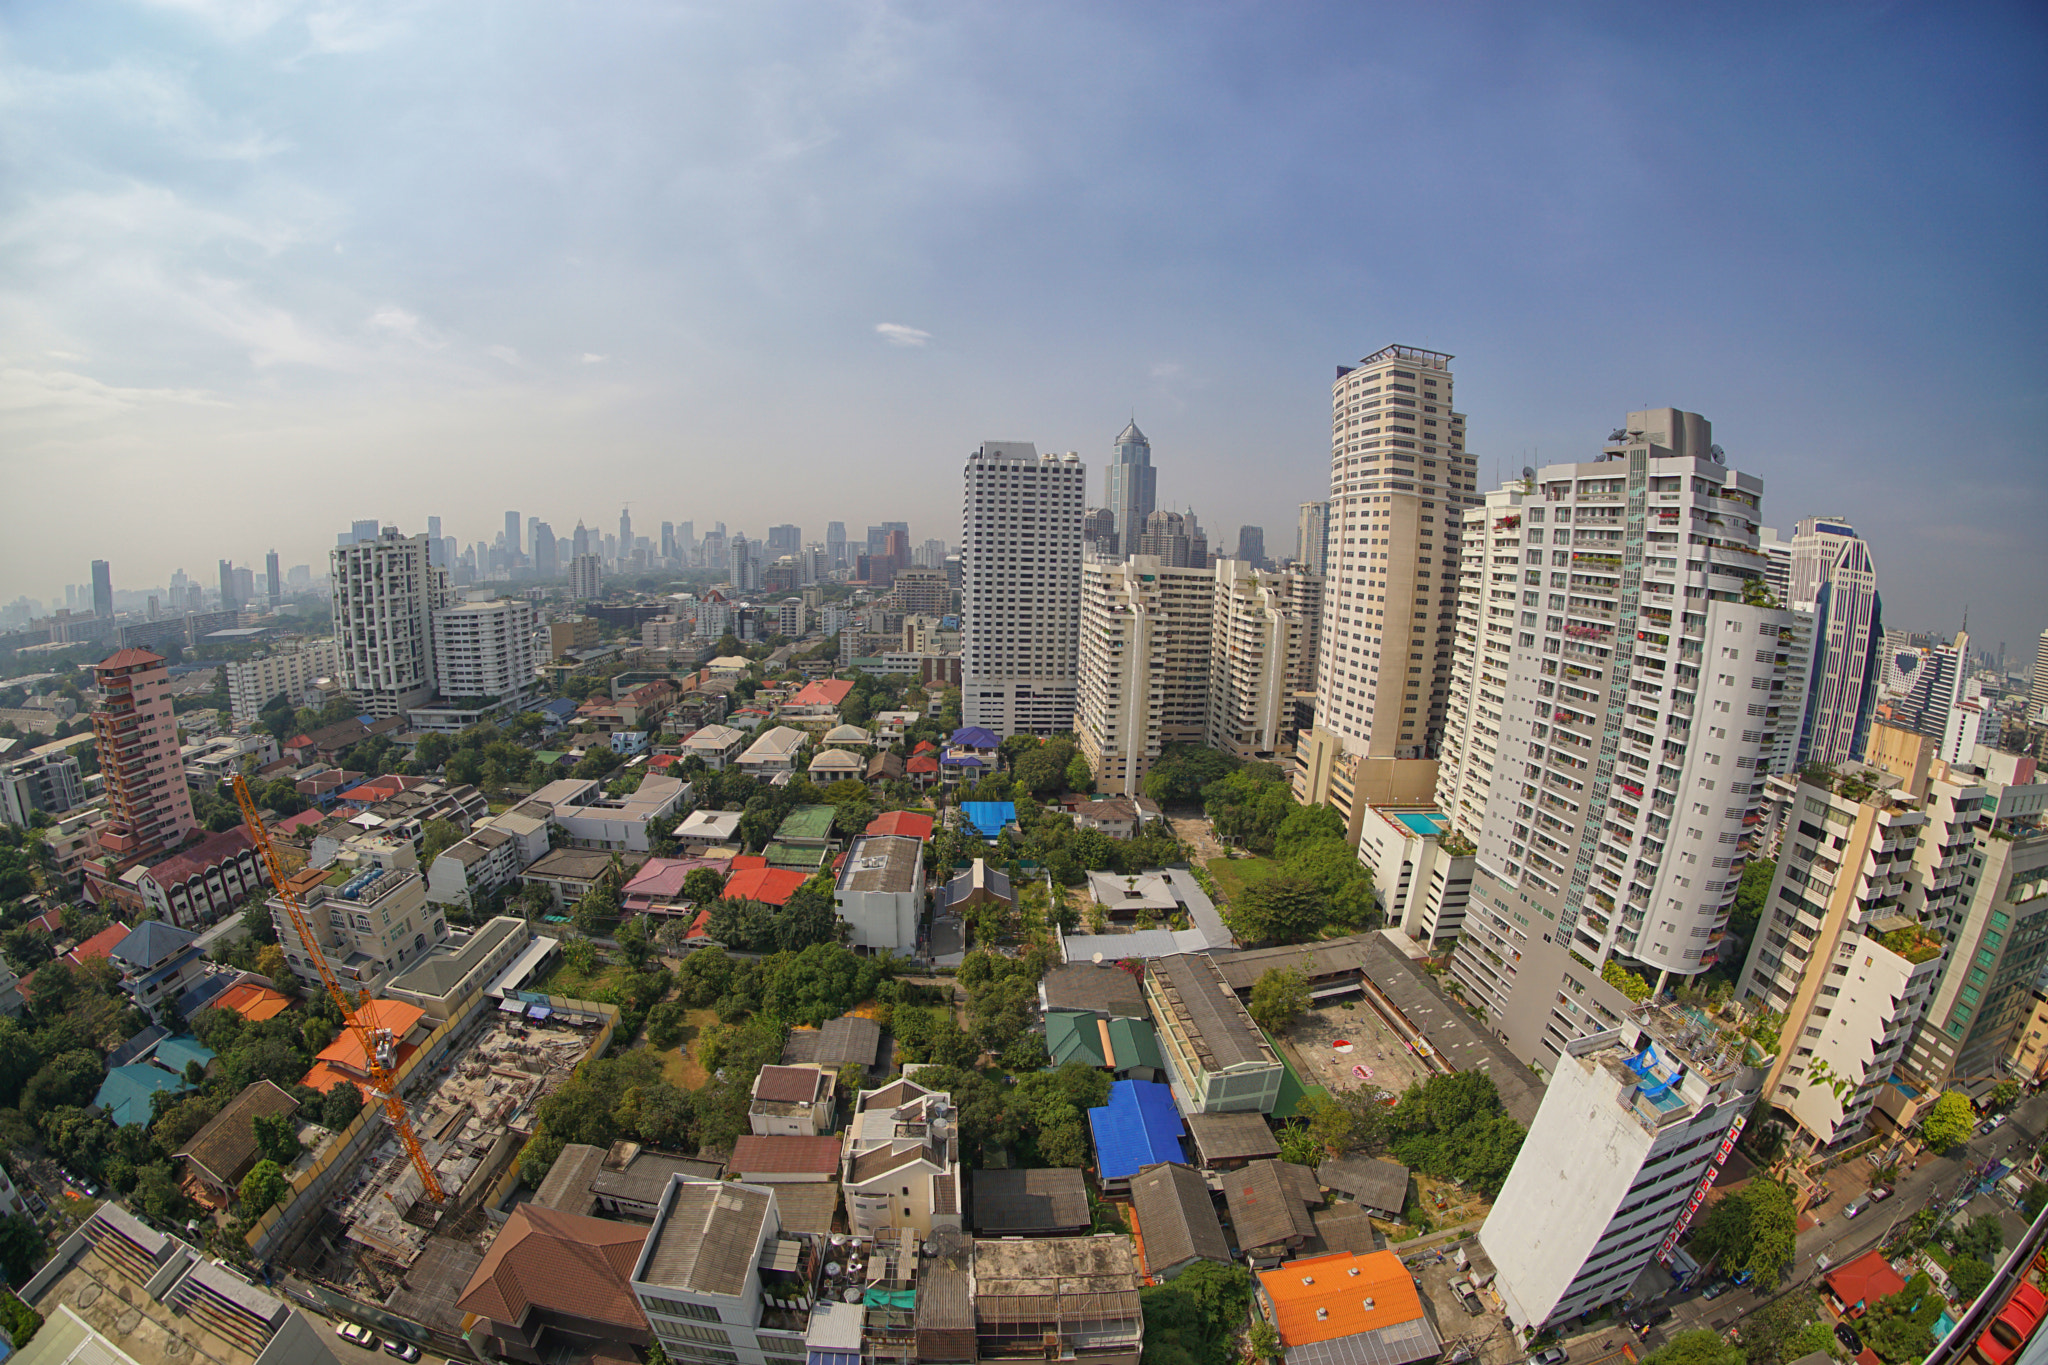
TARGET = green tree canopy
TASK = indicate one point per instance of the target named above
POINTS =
(263, 1186)
(1697, 1348)
(1278, 998)
(1750, 1230)
(1948, 1121)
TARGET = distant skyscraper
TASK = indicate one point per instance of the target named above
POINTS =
(1312, 537)
(102, 589)
(1940, 703)
(360, 530)
(439, 553)
(668, 540)
(546, 561)
(1127, 484)
(579, 543)
(1098, 533)
(385, 597)
(228, 600)
(835, 543)
(1251, 545)
(1834, 581)
(245, 586)
(1172, 538)
(625, 534)
(784, 540)
(1020, 593)
(686, 540)
(274, 577)
(512, 533)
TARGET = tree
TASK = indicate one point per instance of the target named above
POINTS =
(632, 941)
(2003, 1096)
(436, 836)
(1948, 1121)
(270, 962)
(1193, 1318)
(1264, 1340)
(276, 1138)
(344, 1101)
(702, 886)
(263, 1186)
(1279, 909)
(1697, 1348)
(1967, 1276)
(21, 1247)
(1750, 1230)
(1625, 981)
(1278, 998)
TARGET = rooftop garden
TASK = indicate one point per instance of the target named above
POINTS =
(1911, 944)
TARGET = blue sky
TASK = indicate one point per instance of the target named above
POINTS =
(268, 266)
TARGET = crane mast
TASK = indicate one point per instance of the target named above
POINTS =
(382, 1083)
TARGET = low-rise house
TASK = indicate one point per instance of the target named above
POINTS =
(252, 1001)
(836, 765)
(792, 1101)
(570, 872)
(657, 888)
(630, 1181)
(909, 824)
(849, 1040)
(901, 1164)
(1064, 1298)
(773, 751)
(880, 895)
(452, 972)
(193, 888)
(1105, 991)
(818, 701)
(921, 769)
(125, 1094)
(488, 859)
(99, 947)
(1855, 1285)
(1139, 1127)
(717, 745)
(978, 884)
(590, 819)
(988, 819)
(225, 1150)
(1269, 1209)
(1226, 1142)
(848, 737)
(785, 1159)
(884, 768)
(890, 725)
(1177, 1222)
(1040, 1202)
(1346, 1308)
(1120, 817)
(1379, 1186)
(702, 829)
(1217, 1058)
(157, 962)
(554, 1284)
(719, 1264)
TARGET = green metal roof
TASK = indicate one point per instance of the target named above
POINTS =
(1071, 1036)
(807, 822)
(1135, 1044)
(794, 856)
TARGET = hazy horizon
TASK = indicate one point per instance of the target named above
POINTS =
(273, 267)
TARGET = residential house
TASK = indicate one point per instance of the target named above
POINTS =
(1345, 1308)
(453, 972)
(786, 1159)
(848, 737)
(1854, 1286)
(590, 819)
(1217, 1058)
(1106, 991)
(773, 752)
(768, 885)
(909, 824)
(718, 745)
(125, 1094)
(489, 859)
(890, 725)
(818, 701)
(793, 1101)
(1120, 817)
(1050, 1202)
(901, 1164)
(196, 886)
(568, 873)
(988, 819)
(219, 1155)
(849, 1040)
(556, 1285)
(157, 961)
(719, 1267)
(252, 1001)
(1226, 1142)
(880, 895)
(397, 1027)
(1269, 1209)
(1065, 1298)
(1176, 1220)
(703, 829)
(836, 765)
(884, 768)
(978, 884)
(1378, 1186)
(657, 888)
(1139, 1127)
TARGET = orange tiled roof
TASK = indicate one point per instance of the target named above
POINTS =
(344, 1056)
(253, 1002)
(1299, 1288)
(101, 944)
(825, 692)
(769, 885)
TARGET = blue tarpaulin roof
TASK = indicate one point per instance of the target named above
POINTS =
(1138, 1127)
(989, 817)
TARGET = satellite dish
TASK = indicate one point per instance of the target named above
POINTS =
(1528, 471)
(1097, 959)
(938, 1127)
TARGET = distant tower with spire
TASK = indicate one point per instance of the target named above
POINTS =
(1128, 487)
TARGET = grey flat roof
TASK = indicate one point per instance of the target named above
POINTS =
(882, 862)
(442, 969)
(1102, 989)
(1010, 1203)
(707, 1239)
(1208, 1010)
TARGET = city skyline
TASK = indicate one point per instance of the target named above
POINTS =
(228, 295)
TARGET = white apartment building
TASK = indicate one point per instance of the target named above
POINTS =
(1262, 656)
(1634, 1120)
(1641, 695)
(880, 895)
(1836, 954)
(1489, 607)
(1399, 479)
(1835, 582)
(485, 650)
(1312, 538)
(1020, 588)
(1145, 663)
(367, 910)
(901, 1162)
(253, 683)
(385, 597)
(718, 1278)
(586, 577)
(1421, 870)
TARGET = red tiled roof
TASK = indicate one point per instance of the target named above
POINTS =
(100, 945)
(746, 861)
(305, 819)
(697, 925)
(925, 746)
(560, 1262)
(908, 823)
(343, 1058)
(768, 885)
(825, 692)
(132, 658)
(784, 1155)
(661, 761)
(1864, 1280)
(923, 763)
(253, 1002)
(209, 852)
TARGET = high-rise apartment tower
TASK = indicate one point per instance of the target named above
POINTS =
(149, 808)
(385, 597)
(1020, 587)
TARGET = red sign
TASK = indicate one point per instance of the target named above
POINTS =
(1699, 1196)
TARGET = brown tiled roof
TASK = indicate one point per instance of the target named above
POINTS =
(1377, 1184)
(1232, 1137)
(784, 1155)
(1176, 1218)
(225, 1149)
(560, 1262)
(881, 1161)
(1267, 1205)
(1034, 1200)
(789, 1084)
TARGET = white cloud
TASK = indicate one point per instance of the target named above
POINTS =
(63, 392)
(593, 358)
(896, 334)
(504, 353)
(1165, 369)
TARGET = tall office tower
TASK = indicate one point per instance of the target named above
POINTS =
(1128, 484)
(1941, 701)
(485, 649)
(1624, 1137)
(784, 540)
(385, 597)
(625, 547)
(245, 586)
(1259, 655)
(2037, 684)
(149, 808)
(1312, 537)
(1835, 955)
(743, 563)
(1777, 553)
(228, 600)
(546, 556)
(512, 545)
(102, 590)
(586, 577)
(835, 543)
(1399, 476)
(608, 547)
(1251, 545)
(714, 556)
(178, 582)
(1643, 693)
(275, 576)
(814, 565)
(1835, 583)
(1146, 631)
(930, 555)
(357, 530)
(1173, 539)
(686, 540)
(1020, 587)
(579, 541)
(668, 542)
(195, 598)
(1099, 539)
(1489, 601)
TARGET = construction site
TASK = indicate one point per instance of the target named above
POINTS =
(378, 1231)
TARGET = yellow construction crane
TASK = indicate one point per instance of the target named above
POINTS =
(382, 1083)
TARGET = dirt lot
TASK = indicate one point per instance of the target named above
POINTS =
(1487, 1334)
(1375, 1047)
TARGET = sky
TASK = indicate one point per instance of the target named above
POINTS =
(267, 267)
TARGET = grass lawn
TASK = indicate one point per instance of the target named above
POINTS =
(680, 1065)
(566, 980)
(1234, 874)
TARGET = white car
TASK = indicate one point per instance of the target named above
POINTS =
(356, 1335)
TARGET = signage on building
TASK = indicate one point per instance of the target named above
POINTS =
(1699, 1196)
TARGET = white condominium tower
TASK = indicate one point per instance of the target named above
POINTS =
(385, 597)
(1399, 479)
(1644, 688)
(485, 650)
(1834, 581)
(1020, 588)
(1312, 537)
(1262, 656)
(1489, 607)
(1146, 632)
(255, 683)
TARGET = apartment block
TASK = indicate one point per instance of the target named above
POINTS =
(1144, 666)
(288, 673)
(1635, 1119)
(385, 597)
(149, 809)
(1262, 656)
(1421, 870)
(1644, 691)
(46, 782)
(1489, 611)
(1020, 588)
(484, 650)
(367, 911)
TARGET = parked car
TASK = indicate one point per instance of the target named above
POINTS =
(1716, 1289)
(1854, 1207)
(1470, 1300)
(1851, 1343)
(1992, 1124)
(356, 1335)
(404, 1350)
(1556, 1355)
(1880, 1193)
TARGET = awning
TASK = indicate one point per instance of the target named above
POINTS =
(511, 1007)
(538, 1012)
